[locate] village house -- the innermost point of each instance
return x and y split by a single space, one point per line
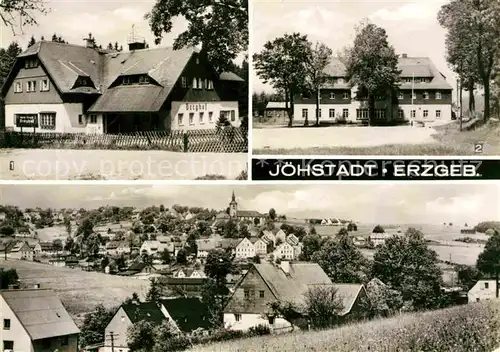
116 248
378 239
186 314
189 273
269 237
36 248
276 110
59 87
245 249
21 250
48 249
185 284
482 290
23 232
289 282
252 216
423 95
35 320
261 246
204 246
284 251
292 240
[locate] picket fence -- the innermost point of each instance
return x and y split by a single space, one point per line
223 140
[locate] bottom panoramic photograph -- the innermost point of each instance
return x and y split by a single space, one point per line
356 267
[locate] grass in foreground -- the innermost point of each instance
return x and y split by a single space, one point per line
473 327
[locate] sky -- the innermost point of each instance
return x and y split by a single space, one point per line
108 21
411 26
399 203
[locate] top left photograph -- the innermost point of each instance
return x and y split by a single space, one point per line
117 90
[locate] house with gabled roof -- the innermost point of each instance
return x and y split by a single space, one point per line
261 245
204 246
124 318
266 283
21 250
186 314
284 251
59 87
245 249
35 320
423 94
292 239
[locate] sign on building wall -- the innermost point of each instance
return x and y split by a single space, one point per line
196 106
27 120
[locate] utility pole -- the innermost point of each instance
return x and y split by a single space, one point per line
112 338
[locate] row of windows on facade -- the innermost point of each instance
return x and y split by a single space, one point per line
47 120
229 115
198 83
404 80
362 114
31 86
401 96
9 345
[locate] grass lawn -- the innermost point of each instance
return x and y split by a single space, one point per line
48 234
80 291
473 327
449 141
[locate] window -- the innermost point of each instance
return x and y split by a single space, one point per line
426 95
6 323
401 96
237 317
345 96
210 84
8 345
486 285
64 341
233 115
345 113
48 120
261 294
414 95
331 113
80 119
201 117
143 79
210 116
379 97
18 88
184 82
126 80
180 119
319 112
413 113
438 113
31 63
426 113
361 114
477 299
31 86
93 118
195 83
438 95
191 118
246 293
206 83
304 113
44 85
401 114
380 113
271 320
200 83
332 95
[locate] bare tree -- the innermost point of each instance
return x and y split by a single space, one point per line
16 14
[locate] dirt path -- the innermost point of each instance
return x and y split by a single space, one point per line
54 164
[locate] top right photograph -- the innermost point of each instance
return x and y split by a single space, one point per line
418 77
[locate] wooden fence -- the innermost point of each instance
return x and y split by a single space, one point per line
221 140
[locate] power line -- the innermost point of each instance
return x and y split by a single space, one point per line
112 336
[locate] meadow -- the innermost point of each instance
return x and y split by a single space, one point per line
472 327
80 291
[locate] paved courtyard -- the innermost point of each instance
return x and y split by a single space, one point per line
64 164
318 137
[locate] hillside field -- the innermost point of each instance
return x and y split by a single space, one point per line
80 291
473 327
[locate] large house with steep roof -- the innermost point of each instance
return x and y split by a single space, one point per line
423 95
58 87
266 283
35 320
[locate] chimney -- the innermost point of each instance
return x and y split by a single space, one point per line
404 56
136 45
285 266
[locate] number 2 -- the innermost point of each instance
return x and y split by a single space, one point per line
478 147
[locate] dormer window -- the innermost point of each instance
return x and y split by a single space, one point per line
82 81
126 80
143 79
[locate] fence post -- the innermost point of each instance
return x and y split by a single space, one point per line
185 141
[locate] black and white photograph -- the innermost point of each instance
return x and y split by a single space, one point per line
120 90
332 267
408 77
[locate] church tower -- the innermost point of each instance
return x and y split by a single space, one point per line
233 207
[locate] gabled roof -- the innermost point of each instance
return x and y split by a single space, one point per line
348 293
113 244
40 312
19 246
249 213
148 311
206 244
188 313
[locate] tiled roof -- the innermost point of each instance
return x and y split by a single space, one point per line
148 311
410 67
249 213
348 293
206 244
189 313
138 98
40 312
230 76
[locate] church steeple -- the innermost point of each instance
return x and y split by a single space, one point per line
233 207
233 198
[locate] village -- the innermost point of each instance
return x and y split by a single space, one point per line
255 263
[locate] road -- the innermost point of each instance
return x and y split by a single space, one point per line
64 164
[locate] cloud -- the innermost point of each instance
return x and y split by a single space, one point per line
419 10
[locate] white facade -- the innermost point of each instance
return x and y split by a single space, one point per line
245 249
260 247
118 325
426 112
66 117
482 290
202 115
284 251
245 321
16 333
